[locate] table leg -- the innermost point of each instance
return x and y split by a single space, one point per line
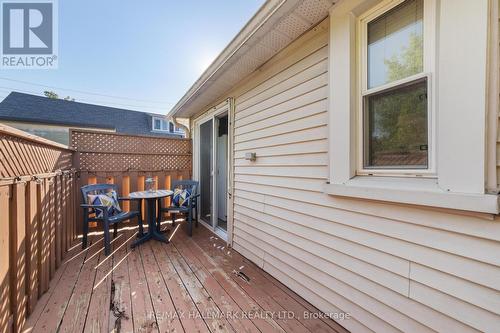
155 234
152 230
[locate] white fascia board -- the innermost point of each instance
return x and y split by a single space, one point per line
265 12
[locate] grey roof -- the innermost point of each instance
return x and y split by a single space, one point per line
37 109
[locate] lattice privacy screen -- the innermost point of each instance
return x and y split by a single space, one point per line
112 152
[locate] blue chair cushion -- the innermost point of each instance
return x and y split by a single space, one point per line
108 199
181 197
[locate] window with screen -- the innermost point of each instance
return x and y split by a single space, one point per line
394 99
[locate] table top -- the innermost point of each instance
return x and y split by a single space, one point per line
150 195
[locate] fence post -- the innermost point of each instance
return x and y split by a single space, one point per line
52 225
5 312
44 234
18 256
58 220
32 245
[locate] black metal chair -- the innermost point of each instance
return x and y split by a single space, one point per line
106 220
191 208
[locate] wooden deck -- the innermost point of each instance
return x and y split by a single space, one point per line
190 285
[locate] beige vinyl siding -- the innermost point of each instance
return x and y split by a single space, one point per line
392 267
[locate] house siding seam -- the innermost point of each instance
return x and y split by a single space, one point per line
392 267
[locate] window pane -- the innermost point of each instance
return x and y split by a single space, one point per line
171 127
164 125
395 44
396 127
157 124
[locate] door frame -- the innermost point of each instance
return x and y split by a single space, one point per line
211 115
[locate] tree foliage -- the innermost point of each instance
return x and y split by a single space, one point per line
409 63
52 95
398 119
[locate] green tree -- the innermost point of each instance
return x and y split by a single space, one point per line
398 119
53 95
50 94
409 63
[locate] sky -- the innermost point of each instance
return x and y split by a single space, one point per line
148 53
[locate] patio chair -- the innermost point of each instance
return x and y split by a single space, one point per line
90 213
190 208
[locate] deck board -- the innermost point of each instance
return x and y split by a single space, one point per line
244 301
120 319
184 304
75 313
142 306
49 310
188 285
259 277
160 296
224 301
231 264
100 300
204 302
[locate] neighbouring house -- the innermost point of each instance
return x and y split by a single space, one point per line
349 148
53 118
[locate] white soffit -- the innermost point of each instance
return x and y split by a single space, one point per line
273 27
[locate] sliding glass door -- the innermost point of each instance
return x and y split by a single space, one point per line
213 167
206 171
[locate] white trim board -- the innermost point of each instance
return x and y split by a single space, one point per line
226 106
424 192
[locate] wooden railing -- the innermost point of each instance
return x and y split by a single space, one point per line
126 160
37 220
40 219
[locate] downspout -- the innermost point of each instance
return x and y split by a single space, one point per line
184 127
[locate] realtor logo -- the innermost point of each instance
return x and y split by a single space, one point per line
29 34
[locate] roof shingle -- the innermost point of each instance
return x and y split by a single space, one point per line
37 109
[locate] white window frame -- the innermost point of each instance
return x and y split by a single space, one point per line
429 31
163 121
226 106
165 126
458 88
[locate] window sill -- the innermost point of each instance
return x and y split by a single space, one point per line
166 132
415 191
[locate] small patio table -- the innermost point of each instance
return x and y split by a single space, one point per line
151 198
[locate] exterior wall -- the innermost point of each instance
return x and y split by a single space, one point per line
391 267
60 134
54 133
